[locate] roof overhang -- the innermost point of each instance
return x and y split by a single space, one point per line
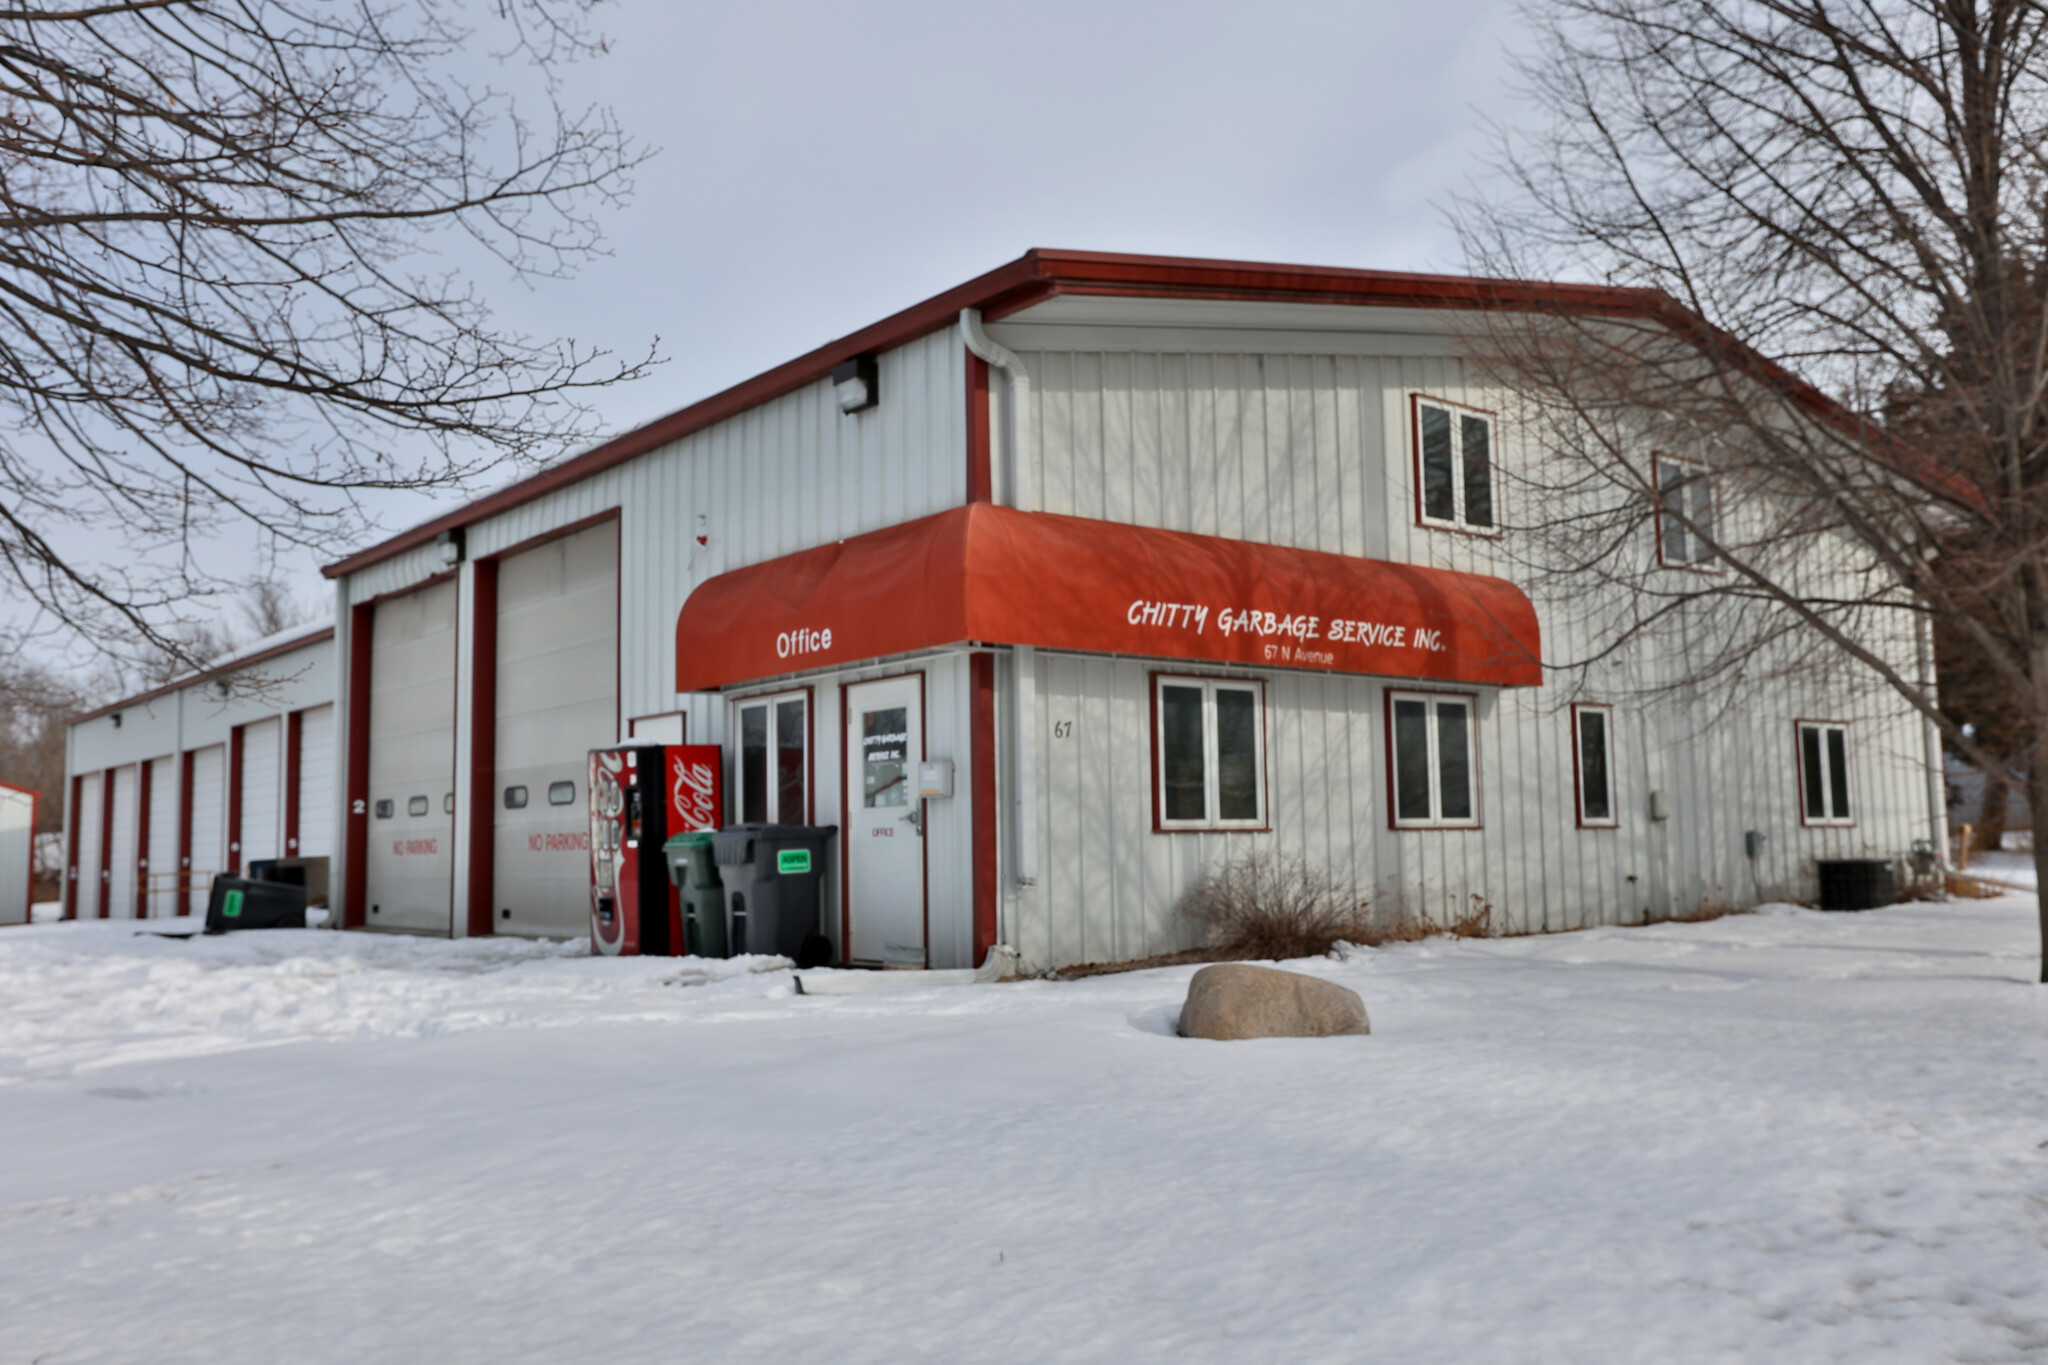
984 574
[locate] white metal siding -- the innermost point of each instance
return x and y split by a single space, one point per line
412 759
121 876
316 783
262 792
557 686
209 821
162 871
17 853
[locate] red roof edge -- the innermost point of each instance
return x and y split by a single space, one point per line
1035 276
230 666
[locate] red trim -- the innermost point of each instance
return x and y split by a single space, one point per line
294 739
1415 401
1799 767
1478 786
1159 825
1578 780
106 895
223 670
980 475
356 809
483 748
981 753
1040 275
235 750
185 761
534 542
845 825
71 856
144 773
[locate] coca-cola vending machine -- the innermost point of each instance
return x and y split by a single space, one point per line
640 795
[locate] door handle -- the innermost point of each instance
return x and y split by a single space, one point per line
915 819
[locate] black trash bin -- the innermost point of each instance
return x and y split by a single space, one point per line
774 888
1856 883
243 903
695 874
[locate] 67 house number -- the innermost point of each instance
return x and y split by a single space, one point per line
1062 729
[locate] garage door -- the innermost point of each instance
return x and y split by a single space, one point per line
557 700
86 872
209 821
121 873
162 873
316 783
262 802
412 761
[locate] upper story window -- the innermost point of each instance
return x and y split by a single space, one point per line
1685 493
1210 741
1824 773
1455 481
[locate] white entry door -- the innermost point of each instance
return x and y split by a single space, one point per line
885 820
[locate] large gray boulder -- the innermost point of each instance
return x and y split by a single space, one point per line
1238 1000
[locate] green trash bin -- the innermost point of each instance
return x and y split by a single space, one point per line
691 869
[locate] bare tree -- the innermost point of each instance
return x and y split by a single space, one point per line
1805 197
220 313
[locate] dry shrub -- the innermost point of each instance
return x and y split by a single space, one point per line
1273 905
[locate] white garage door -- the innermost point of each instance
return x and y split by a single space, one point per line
412 761
121 875
316 783
162 872
17 852
262 794
86 820
209 821
557 700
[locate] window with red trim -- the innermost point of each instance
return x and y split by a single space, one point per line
1593 764
1454 466
1433 746
1210 744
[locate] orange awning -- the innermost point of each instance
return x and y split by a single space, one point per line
993 575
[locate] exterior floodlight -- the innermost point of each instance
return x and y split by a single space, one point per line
449 546
854 384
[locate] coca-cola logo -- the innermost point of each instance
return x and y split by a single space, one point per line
694 792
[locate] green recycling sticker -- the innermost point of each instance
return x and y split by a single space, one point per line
231 905
788 860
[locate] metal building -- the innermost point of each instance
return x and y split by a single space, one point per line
17 852
1154 562
1051 592
169 788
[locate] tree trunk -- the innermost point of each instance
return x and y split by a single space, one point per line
2037 797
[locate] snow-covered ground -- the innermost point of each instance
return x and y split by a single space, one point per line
1779 1137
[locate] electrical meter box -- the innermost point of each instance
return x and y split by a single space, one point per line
935 778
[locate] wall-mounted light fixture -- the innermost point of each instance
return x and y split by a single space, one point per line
854 384
117 720
449 546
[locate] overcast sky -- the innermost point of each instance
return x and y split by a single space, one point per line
822 165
